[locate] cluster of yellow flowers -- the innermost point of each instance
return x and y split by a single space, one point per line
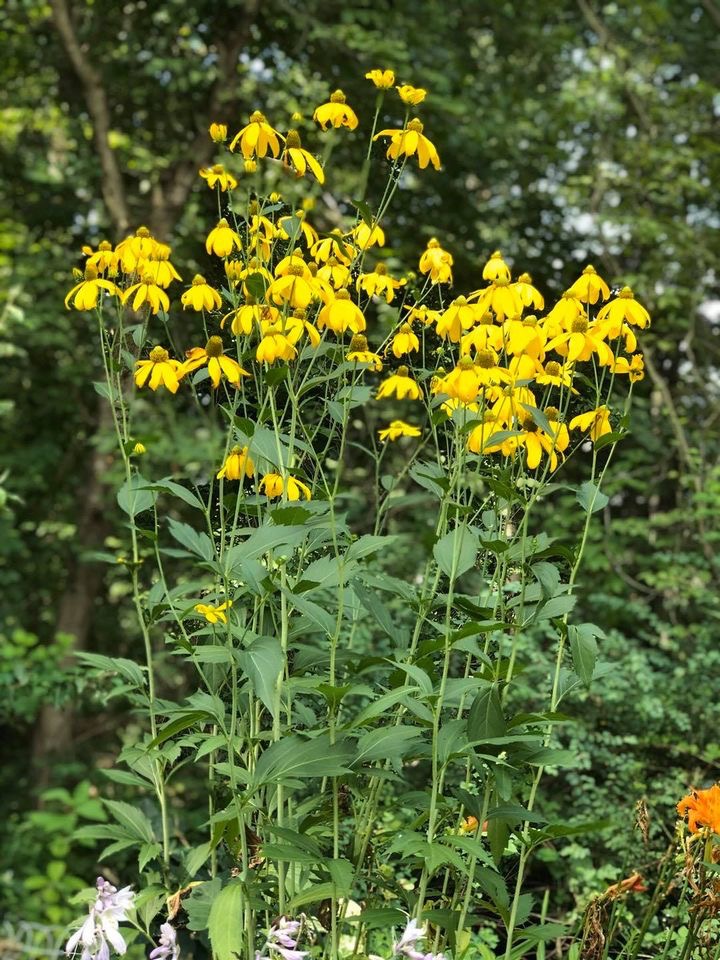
290 287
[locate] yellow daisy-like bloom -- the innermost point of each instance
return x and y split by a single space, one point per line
451 404
463 383
400 385
366 237
529 295
146 291
566 310
293 288
250 315
405 341
469 377
501 297
536 441
590 286
201 296
424 315
509 405
556 374
525 337
139 449
222 240
161 270
411 95
288 226
293 264
159 370
702 809
359 353
218 132
257 138
218 176
294 156
397 429
237 465
459 316
595 422
104 259
275 486
275 345
581 341
294 327
496 268
625 307
383 79
85 295
379 283
410 141
485 335
333 246
214 614
480 437
218 364
634 367
436 262
143 244
341 314
336 274
336 112
238 273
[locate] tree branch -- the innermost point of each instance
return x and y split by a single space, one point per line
96 100
169 197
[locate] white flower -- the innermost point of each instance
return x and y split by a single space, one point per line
100 930
282 942
405 946
168 948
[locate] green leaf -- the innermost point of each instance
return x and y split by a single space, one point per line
198 543
105 390
584 649
126 668
199 903
256 285
225 922
455 553
182 722
131 819
195 858
368 544
376 608
313 611
590 497
430 476
485 719
177 490
540 419
313 894
264 663
148 852
364 210
132 498
287 853
295 758
556 607
384 917
391 743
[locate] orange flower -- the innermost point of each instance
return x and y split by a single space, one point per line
702 808
632 884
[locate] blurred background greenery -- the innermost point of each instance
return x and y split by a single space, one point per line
570 132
